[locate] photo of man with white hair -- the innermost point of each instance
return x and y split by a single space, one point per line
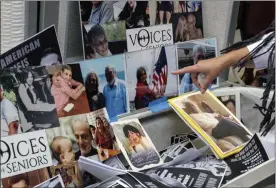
115 93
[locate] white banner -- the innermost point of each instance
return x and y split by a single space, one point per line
24 153
149 37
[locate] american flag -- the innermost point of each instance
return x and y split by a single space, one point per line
160 73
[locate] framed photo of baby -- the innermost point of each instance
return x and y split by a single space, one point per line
213 121
102 134
136 145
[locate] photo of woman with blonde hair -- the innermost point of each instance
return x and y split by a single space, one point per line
181 32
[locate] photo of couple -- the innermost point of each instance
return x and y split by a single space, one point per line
136 145
220 125
105 83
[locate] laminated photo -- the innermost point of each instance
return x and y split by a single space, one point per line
41 49
55 182
28 179
231 99
104 40
136 145
212 121
35 102
69 173
149 76
105 83
68 90
103 135
188 54
71 140
24 153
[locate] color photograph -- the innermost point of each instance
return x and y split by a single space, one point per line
36 105
71 140
136 145
189 53
187 6
102 134
29 179
164 12
55 182
68 90
149 75
213 120
105 83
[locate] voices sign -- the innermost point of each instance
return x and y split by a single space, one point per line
24 153
149 37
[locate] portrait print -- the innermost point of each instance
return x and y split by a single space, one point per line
136 145
213 121
28 179
71 140
105 82
187 26
102 134
68 90
149 77
164 12
189 53
36 105
104 40
187 6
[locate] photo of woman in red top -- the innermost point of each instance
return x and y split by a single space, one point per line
103 138
144 95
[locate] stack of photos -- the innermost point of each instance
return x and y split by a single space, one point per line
136 145
189 53
150 79
105 83
55 182
29 89
212 121
68 90
40 50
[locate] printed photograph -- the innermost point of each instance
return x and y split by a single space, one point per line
149 76
67 87
10 122
214 120
40 50
136 145
69 173
105 82
55 182
187 6
71 140
187 26
189 53
164 12
231 101
36 105
102 134
29 179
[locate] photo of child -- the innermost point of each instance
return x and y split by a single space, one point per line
214 120
136 145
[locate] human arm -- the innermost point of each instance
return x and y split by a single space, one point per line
72 93
12 118
107 13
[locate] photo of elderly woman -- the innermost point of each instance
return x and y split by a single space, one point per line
136 145
35 102
208 113
104 40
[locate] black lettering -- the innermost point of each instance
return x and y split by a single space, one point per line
133 42
3 63
45 158
163 35
169 34
33 146
37 43
39 140
12 144
34 161
14 169
151 37
9 168
40 162
18 148
8 59
154 36
22 165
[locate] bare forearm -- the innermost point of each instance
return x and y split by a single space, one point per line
13 128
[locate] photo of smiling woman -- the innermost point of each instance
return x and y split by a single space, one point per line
136 145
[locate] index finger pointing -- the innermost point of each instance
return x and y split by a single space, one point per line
189 69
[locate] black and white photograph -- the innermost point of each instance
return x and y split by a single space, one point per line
55 182
189 53
231 99
136 145
36 105
40 50
149 76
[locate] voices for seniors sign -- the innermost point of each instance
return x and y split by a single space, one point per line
24 153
